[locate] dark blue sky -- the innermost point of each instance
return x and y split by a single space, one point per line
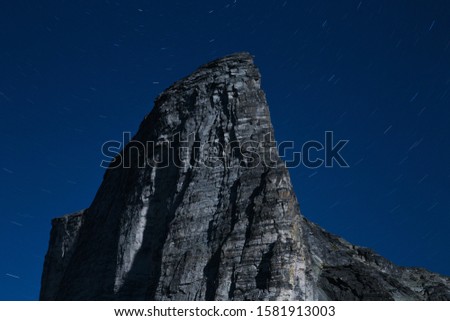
74 74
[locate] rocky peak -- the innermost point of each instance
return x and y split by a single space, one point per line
199 206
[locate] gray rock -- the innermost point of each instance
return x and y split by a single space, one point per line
218 223
63 237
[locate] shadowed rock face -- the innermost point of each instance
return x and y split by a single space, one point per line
185 225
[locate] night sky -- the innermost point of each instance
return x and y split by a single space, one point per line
74 74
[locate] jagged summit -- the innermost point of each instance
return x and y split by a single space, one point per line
213 216
242 57
225 70
238 58
238 61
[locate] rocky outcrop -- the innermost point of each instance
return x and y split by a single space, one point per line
63 239
199 206
343 271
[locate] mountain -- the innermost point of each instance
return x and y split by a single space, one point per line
199 206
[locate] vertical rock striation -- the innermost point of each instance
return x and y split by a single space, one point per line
63 239
199 206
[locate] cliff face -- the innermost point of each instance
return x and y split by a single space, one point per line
63 238
199 206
